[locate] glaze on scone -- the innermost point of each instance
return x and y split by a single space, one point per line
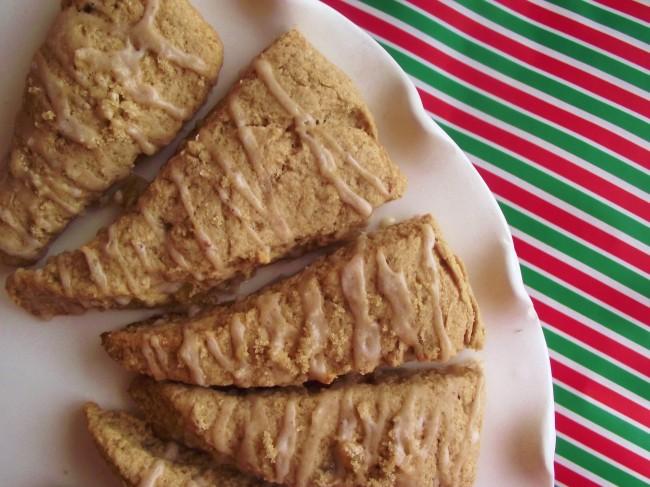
289 159
395 295
112 81
141 459
402 430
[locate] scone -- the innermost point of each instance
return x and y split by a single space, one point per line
395 295
404 430
112 81
289 159
141 459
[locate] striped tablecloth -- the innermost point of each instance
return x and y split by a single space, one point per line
550 102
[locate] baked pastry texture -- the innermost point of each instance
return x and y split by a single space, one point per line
289 159
391 296
141 459
113 80
405 430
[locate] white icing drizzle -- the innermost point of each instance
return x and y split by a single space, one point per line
125 66
28 245
151 476
249 142
113 250
218 430
316 325
146 146
147 37
314 436
96 270
374 431
59 98
345 435
274 322
189 354
366 345
64 277
255 427
236 364
208 246
304 125
394 288
472 432
142 253
234 209
347 157
428 243
286 442
151 359
214 348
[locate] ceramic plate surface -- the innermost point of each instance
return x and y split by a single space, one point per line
48 369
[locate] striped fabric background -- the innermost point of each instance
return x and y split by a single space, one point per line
550 100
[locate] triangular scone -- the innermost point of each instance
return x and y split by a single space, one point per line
113 80
402 430
140 458
289 159
395 295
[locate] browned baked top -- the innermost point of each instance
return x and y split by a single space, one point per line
404 430
395 295
289 159
137 456
113 80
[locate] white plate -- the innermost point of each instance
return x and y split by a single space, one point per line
48 369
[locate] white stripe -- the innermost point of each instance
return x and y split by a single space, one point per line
618 12
561 205
576 264
602 457
611 435
602 74
578 469
529 136
553 54
588 322
610 229
583 294
594 25
570 363
523 86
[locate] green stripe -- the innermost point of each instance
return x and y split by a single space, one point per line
609 319
568 246
526 123
614 21
514 69
559 43
597 364
594 464
547 182
588 410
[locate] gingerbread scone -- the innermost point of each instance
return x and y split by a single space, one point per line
288 160
112 81
395 295
405 430
140 458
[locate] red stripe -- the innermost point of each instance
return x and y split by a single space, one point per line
566 220
589 336
633 8
606 447
545 158
584 127
580 31
600 393
388 31
582 281
571 478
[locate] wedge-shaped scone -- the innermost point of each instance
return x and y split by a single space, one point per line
112 81
402 430
386 298
140 458
289 159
